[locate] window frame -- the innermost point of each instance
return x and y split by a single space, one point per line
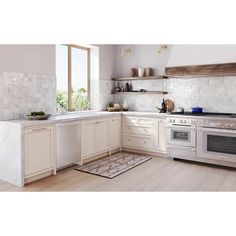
70 91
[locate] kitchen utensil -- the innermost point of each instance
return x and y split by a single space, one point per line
141 72
197 109
43 117
169 105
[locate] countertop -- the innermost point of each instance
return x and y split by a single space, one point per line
76 116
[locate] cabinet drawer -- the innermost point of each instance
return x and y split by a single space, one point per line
130 120
138 121
140 130
138 142
145 121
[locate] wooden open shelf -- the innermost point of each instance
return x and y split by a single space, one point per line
225 69
140 78
147 92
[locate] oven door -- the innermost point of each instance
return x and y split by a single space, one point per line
181 136
217 144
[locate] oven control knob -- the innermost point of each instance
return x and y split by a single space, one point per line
181 121
184 121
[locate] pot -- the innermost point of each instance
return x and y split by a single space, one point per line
197 109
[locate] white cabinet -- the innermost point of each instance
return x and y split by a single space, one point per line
115 132
161 135
138 133
39 150
94 137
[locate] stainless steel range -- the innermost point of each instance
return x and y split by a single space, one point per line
204 137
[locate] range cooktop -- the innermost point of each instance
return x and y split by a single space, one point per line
215 114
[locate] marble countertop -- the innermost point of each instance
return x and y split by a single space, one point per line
81 116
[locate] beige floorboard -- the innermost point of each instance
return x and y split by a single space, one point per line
158 174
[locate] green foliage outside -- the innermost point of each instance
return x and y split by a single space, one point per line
79 100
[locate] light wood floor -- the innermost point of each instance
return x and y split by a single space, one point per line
158 174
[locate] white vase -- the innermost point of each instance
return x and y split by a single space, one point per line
125 106
141 72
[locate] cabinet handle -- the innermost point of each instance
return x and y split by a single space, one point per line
129 127
145 141
37 130
129 139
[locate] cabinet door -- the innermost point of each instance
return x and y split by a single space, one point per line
87 139
115 133
101 136
39 150
161 135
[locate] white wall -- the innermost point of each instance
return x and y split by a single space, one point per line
39 59
106 61
212 93
106 72
182 55
141 56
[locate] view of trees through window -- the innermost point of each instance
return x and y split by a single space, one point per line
72 70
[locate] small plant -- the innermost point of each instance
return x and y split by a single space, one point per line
62 100
110 104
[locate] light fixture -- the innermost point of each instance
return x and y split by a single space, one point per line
125 52
162 47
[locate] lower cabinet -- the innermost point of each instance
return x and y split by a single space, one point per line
94 137
161 135
115 132
138 133
144 134
39 150
138 142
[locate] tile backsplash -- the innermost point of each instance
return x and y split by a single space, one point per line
215 94
22 93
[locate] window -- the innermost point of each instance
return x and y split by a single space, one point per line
72 70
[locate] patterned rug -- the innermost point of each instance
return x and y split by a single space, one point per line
111 166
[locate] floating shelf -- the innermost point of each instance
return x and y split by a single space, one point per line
140 78
147 92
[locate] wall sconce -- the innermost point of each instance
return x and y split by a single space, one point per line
125 52
162 47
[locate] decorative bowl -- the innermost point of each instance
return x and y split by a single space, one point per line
44 117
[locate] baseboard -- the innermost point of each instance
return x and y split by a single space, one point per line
39 176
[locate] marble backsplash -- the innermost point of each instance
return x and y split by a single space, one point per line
25 92
215 94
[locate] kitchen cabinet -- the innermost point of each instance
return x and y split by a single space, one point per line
115 133
39 150
138 133
161 135
94 137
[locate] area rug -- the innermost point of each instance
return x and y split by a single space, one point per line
114 165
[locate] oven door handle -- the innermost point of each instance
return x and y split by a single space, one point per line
181 127
230 131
